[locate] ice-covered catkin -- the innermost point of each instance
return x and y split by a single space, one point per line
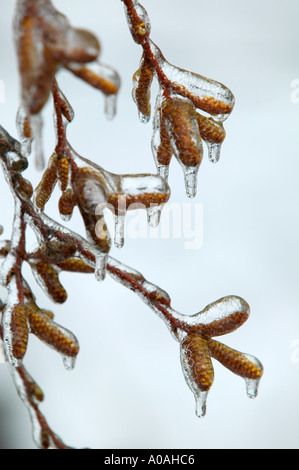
47 276
210 130
99 76
164 150
62 167
142 81
235 361
75 265
184 131
16 332
197 362
47 184
41 325
66 204
138 21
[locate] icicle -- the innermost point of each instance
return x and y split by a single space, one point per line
110 106
154 215
214 152
190 174
119 227
252 385
201 404
163 171
69 362
100 266
36 127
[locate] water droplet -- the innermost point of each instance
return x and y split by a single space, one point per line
119 227
201 404
214 152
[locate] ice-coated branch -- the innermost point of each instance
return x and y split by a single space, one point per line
178 125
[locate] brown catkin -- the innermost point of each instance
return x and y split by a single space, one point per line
66 203
210 130
164 152
51 281
20 331
75 265
234 360
48 331
184 130
47 184
92 78
142 80
197 357
62 168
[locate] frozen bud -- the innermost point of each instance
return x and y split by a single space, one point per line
66 204
10 151
56 250
138 22
24 187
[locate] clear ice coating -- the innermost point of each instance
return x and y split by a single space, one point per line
190 174
68 362
214 151
100 266
119 230
209 95
154 215
102 77
140 24
201 404
252 385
